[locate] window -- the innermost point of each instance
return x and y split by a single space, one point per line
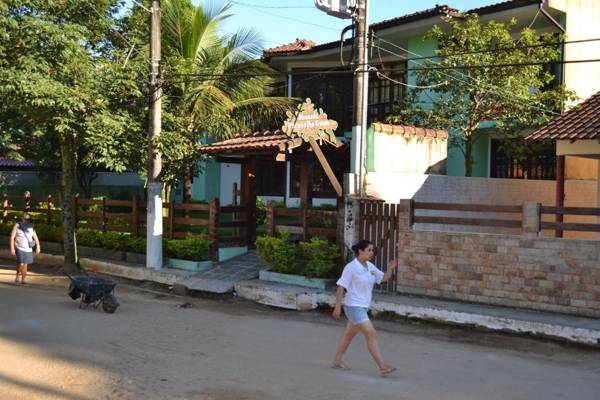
270 178
383 93
320 187
537 162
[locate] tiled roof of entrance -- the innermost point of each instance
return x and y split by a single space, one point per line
579 123
407 130
266 141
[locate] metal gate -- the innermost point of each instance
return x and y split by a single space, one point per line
378 223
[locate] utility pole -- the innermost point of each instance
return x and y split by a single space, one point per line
154 221
361 92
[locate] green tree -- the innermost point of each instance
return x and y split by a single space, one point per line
60 83
215 86
515 98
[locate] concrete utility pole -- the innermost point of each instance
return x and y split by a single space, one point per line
154 221
361 92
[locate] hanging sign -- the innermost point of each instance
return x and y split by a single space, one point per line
310 123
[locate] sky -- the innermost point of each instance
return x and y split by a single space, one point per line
282 21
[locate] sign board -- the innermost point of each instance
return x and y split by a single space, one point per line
337 8
310 123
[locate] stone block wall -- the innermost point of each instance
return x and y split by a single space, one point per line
561 275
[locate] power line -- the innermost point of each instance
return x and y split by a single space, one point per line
263 6
495 50
259 9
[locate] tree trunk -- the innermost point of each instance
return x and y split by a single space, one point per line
67 153
469 156
187 182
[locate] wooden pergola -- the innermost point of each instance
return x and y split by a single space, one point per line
248 149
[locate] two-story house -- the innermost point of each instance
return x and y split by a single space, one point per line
403 37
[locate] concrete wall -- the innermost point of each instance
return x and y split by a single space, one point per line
550 274
413 154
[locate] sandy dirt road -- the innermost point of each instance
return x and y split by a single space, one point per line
152 348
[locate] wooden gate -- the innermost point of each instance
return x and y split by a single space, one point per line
378 223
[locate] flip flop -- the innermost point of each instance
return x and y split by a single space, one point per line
340 366
387 371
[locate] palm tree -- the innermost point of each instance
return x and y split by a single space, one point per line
218 86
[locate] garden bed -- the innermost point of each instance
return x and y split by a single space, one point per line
298 280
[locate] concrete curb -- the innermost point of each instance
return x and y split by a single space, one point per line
515 321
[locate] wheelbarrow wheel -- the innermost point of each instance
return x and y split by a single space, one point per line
110 304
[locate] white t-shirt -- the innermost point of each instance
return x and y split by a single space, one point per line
23 237
358 282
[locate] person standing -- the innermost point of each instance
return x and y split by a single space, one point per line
23 242
358 279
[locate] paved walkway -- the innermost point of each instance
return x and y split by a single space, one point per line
223 277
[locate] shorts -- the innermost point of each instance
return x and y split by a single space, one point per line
24 257
356 315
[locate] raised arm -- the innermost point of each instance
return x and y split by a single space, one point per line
391 267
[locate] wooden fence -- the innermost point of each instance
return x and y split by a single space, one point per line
378 223
303 222
570 226
509 222
225 226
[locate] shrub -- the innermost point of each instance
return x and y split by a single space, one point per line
278 253
193 247
320 258
316 258
261 211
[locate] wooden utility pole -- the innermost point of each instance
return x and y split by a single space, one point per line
361 91
154 221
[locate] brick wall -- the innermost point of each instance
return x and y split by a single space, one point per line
561 275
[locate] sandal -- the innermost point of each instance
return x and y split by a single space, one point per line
387 370
340 366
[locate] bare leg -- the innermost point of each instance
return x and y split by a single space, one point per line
345 340
18 272
23 272
368 330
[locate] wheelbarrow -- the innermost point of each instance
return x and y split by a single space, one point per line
93 291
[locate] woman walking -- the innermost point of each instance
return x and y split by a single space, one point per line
358 278
23 242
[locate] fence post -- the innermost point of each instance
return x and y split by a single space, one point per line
213 228
49 210
74 210
171 217
103 213
405 215
304 216
27 201
4 208
530 221
135 215
270 219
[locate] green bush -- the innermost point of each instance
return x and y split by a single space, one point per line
278 253
261 211
316 258
320 258
193 247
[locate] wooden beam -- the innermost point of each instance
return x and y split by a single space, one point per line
304 182
327 168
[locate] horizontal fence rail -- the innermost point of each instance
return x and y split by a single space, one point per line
469 208
570 226
304 222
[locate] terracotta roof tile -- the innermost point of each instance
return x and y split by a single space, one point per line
579 123
256 141
407 130
298 45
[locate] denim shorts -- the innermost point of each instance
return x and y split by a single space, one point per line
356 315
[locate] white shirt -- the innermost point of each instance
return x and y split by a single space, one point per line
22 238
358 282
